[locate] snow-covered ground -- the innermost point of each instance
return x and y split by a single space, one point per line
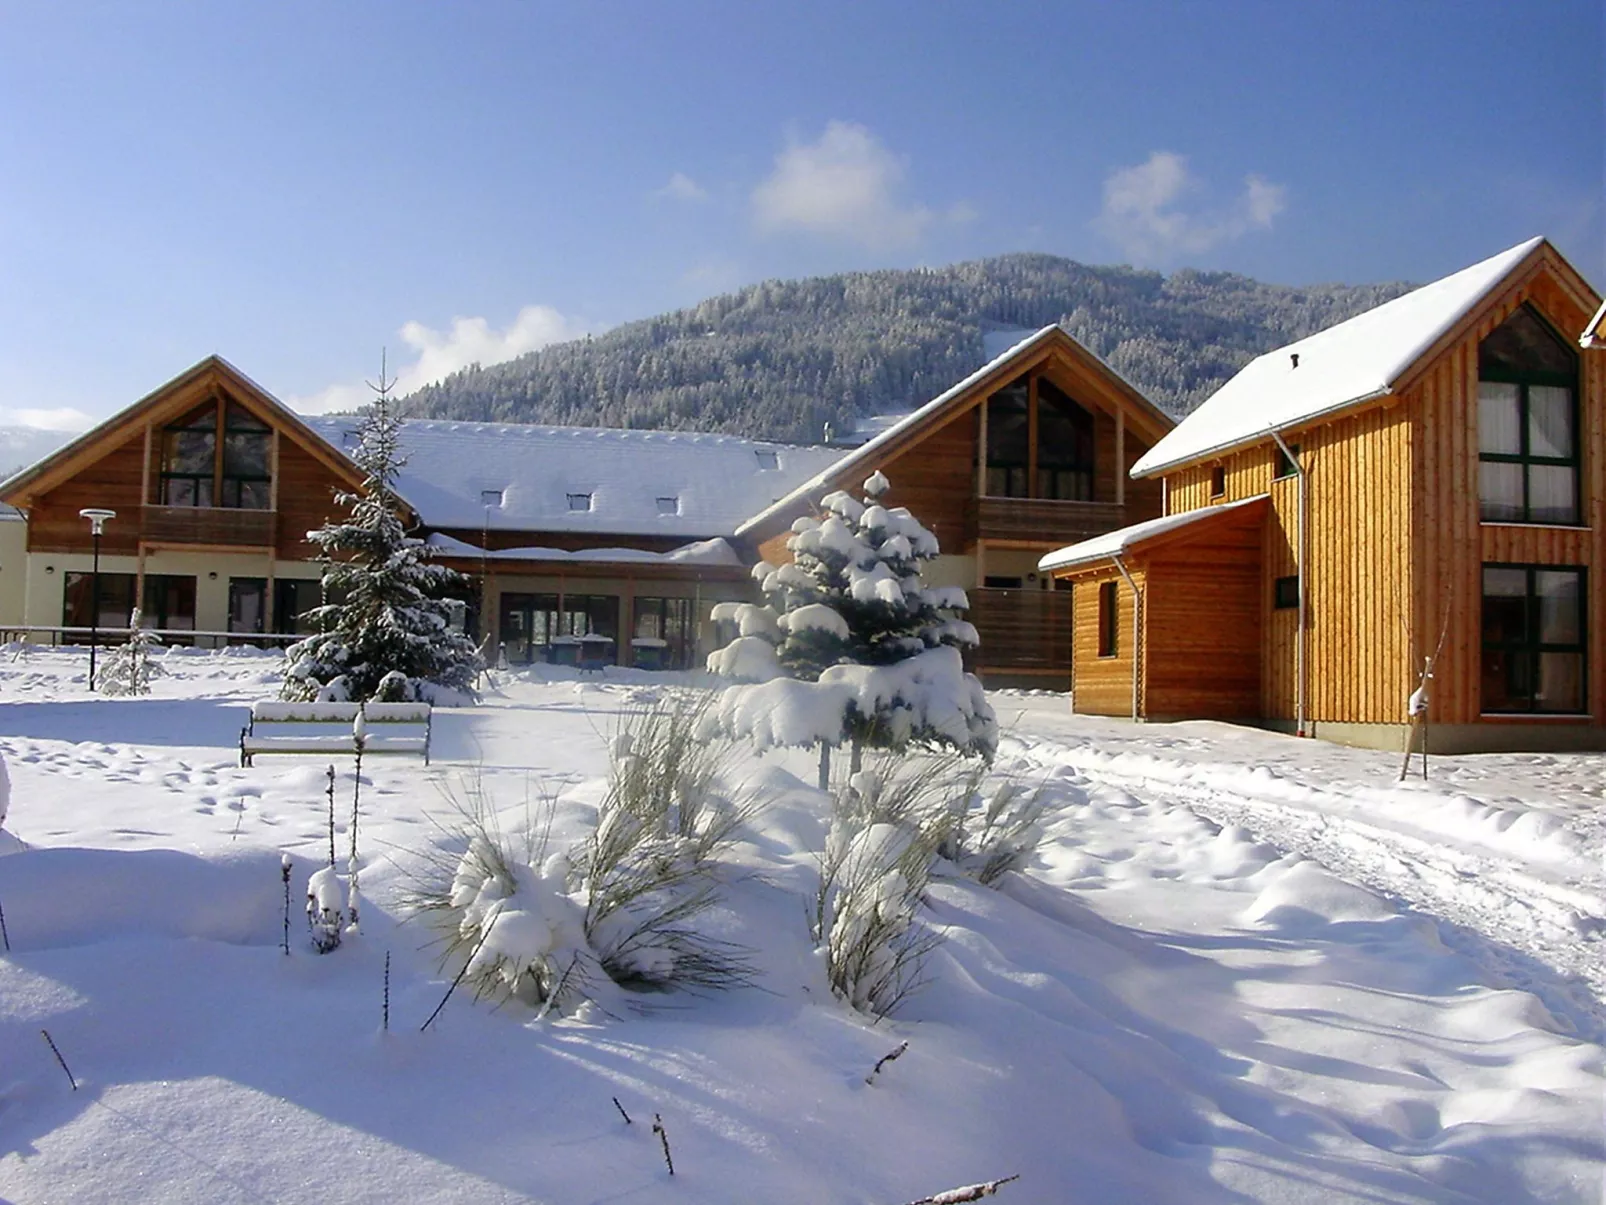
1241 968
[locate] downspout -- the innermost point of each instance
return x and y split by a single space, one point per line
1301 650
1137 621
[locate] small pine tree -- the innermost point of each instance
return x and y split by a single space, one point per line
128 669
853 596
387 633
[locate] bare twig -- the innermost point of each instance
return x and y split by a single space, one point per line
284 871
466 964
622 1112
884 1060
4 936
59 1059
331 793
971 1192
356 796
385 1022
663 1137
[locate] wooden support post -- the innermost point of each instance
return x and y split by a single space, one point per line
1031 436
1120 457
145 473
981 450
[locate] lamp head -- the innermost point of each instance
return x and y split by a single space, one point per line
98 518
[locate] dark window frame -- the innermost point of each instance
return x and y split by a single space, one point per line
223 485
1218 481
1285 593
1531 646
1283 465
1109 617
1525 380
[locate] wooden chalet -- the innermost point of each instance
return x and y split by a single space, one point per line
1028 453
1426 480
604 545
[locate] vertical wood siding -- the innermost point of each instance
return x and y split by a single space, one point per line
1101 685
113 481
1450 544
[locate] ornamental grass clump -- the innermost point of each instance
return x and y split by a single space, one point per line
553 925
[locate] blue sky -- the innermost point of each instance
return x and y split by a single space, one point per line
296 185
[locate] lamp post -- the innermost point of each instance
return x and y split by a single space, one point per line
98 518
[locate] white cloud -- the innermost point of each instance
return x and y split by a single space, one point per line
64 419
438 354
1145 215
845 186
681 187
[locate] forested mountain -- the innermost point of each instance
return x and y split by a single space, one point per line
781 359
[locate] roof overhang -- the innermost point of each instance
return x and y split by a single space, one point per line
166 402
1142 539
1032 352
1595 333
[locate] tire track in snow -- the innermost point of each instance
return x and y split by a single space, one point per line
1529 932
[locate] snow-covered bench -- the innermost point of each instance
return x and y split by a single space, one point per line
327 728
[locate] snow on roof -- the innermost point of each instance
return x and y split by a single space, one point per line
702 552
1122 540
1351 362
1595 333
865 452
517 477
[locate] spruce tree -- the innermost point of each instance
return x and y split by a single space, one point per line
384 631
852 614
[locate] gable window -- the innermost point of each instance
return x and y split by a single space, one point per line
199 470
1008 443
1064 446
1283 465
1109 620
1533 639
1218 482
1285 593
1527 424
579 501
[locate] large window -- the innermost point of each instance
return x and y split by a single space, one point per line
169 603
1533 639
1008 445
1064 446
293 598
1527 424
534 629
78 609
669 621
197 472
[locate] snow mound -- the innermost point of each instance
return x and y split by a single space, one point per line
1301 895
80 897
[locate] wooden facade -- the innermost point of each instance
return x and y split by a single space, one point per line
937 464
1394 551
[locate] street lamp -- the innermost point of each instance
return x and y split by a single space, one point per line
98 518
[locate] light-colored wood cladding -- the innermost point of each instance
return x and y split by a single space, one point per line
1102 685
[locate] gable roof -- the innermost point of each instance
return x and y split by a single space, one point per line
669 483
1595 333
1139 536
169 401
997 372
1366 357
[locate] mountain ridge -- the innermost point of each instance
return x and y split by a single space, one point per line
782 358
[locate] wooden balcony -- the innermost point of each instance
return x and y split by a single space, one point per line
1023 631
216 525
1042 521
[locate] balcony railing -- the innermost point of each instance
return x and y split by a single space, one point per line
1023 630
225 525
1042 520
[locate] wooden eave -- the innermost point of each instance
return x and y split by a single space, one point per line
1595 333
169 401
1051 348
1541 258
1247 513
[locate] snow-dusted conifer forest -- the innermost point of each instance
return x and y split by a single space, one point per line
1168 963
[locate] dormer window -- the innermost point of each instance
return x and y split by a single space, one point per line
767 459
669 504
579 502
199 470
491 498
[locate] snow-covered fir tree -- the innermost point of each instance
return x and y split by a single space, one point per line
128 668
875 651
385 632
